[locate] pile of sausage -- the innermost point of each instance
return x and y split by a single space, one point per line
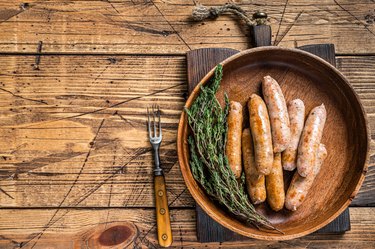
278 138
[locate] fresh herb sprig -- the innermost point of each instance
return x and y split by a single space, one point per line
208 162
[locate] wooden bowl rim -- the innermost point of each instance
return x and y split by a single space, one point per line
185 167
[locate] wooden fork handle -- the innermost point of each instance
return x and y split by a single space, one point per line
162 213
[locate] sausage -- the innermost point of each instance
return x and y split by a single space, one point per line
278 113
261 132
310 140
255 182
296 111
300 186
275 185
233 146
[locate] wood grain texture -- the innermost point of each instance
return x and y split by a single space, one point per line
70 131
196 70
108 235
200 62
261 35
76 226
87 143
209 230
158 26
162 213
41 160
346 134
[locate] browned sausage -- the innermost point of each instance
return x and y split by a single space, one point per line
300 186
275 185
277 110
255 184
310 140
296 110
233 147
261 133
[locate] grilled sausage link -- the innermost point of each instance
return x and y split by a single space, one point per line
278 113
275 185
310 140
254 181
300 186
296 111
261 133
233 146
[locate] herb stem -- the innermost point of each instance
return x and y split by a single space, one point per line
208 162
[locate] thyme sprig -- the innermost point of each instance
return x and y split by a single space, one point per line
208 162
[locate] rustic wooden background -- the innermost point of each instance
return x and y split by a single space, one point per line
75 80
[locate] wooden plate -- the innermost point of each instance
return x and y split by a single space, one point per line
346 136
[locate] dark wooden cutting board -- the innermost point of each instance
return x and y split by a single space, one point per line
199 63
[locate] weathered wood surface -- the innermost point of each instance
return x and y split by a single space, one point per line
159 26
199 62
83 228
76 127
73 132
73 127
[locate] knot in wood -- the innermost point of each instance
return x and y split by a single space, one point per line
115 235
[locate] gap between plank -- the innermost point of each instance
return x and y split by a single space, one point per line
97 208
132 54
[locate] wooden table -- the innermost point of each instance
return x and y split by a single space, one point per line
75 159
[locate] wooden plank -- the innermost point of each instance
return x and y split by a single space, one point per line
339 226
159 26
88 134
199 62
43 147
350 67
74 228
209 230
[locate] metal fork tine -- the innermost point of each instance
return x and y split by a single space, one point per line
159 121
148 123
162 212
153 113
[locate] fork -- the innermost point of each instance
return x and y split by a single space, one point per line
162 211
